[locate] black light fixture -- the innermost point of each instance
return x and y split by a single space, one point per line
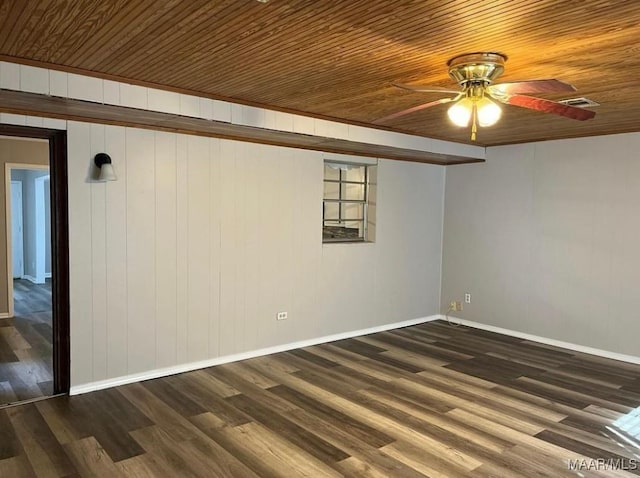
103 162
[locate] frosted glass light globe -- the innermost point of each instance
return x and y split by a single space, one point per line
488 112
460 112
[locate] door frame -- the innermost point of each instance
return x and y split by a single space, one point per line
59 247
11 247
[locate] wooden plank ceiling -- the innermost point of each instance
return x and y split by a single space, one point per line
338 58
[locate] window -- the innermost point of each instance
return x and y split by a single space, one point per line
347 213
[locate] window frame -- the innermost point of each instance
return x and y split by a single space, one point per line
340 201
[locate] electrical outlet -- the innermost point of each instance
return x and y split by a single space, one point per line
455 306
467 298
281 316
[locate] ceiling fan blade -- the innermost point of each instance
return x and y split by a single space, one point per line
425 88
413 109
548 106
550 85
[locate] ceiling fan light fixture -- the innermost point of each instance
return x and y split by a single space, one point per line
460 112
488 112
474 103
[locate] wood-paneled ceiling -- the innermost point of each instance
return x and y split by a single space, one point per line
338 58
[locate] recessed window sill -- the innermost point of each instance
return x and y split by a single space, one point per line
325 243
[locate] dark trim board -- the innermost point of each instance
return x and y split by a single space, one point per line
20 102
201 94
59 246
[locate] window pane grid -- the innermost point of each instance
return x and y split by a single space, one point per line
345 216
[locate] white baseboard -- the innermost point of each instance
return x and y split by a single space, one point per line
4 315
47 275
163 372
544 340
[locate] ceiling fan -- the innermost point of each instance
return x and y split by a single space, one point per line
475 73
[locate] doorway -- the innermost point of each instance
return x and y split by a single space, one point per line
29 231
34 329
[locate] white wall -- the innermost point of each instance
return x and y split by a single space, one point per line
545 236
190 254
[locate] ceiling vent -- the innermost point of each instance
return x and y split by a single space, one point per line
580 102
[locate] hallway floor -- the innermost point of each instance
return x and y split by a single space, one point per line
26 344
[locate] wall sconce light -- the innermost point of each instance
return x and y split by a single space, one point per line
103 162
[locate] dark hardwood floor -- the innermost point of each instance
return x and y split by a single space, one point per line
429 400
26 344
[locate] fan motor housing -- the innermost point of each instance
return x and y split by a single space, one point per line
477 67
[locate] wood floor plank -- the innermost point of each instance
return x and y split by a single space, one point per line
427 400
424 460
61 419
26 351
490 397
13 340
7 352
194 457
441 424
174 398
422 349
44 452
10 445
141 466
213 460
392 426
313 358
7 392
162 448
250 389
367 434
209 381
248 374
528 425
16 467
356 468
270 453
568 395
530 452
333 354
91 459
333 432
267 362
200 394
158 411
294 433
108 428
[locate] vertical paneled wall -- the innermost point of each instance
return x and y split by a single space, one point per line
190 254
